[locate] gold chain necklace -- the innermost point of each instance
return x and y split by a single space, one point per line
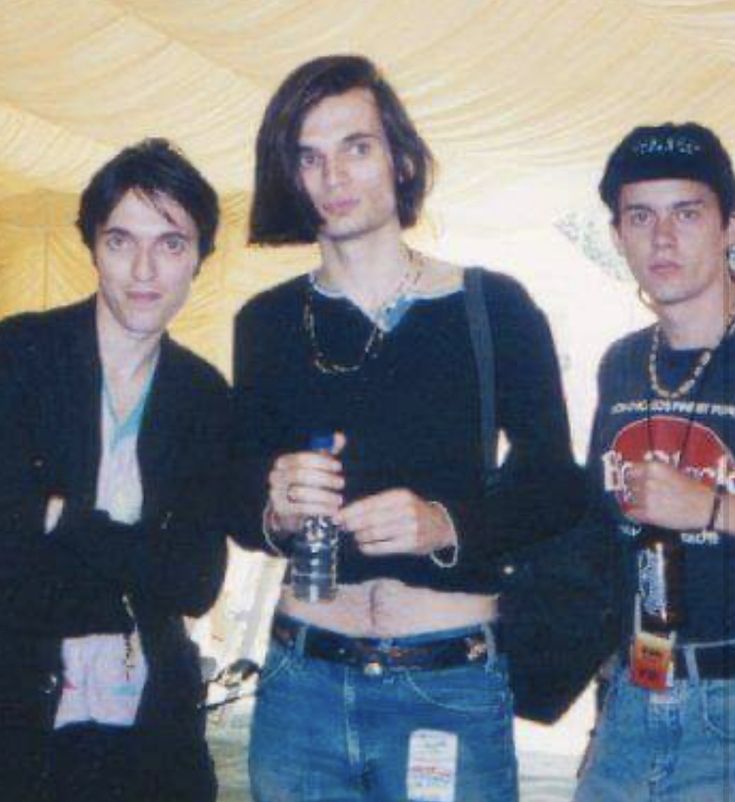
702 361
375 339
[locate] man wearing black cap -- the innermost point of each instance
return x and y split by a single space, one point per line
662 452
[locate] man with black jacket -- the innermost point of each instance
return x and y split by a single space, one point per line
111 450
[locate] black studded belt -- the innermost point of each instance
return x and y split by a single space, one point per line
375 655
705 662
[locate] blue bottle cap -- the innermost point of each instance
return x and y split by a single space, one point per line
321 441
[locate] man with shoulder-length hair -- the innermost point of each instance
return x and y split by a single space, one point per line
385 679
113 448
662 452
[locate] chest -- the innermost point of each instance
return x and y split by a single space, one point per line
694 434
66 433
417 393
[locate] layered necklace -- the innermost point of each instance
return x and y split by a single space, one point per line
699 366
695 380
375 338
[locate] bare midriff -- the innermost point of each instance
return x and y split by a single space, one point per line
387 608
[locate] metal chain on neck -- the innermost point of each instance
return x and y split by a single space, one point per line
370 350
702 361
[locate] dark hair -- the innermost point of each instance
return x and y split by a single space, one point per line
153 167
688 150
282 212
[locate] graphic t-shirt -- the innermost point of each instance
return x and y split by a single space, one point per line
695 434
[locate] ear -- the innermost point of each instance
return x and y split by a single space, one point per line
404 171
731 232
616 238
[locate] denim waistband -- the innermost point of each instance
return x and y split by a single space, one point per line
701 661
430 650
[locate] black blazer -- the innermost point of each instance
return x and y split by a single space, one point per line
71 581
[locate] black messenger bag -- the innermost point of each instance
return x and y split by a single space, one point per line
556 620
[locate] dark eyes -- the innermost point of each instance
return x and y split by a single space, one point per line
360 148
116 241
309 158
645 217
174 244
355 149
639 217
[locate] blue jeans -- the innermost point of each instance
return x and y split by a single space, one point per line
667 746
327 732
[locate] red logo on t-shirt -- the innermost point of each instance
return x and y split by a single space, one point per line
687 445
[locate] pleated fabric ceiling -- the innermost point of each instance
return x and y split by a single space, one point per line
521 102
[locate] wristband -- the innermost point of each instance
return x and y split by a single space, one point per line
716 506
446 556
268 533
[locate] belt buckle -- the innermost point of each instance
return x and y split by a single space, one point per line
373 668
477 649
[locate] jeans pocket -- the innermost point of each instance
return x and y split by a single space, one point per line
470 690
610 697
277 660
718 708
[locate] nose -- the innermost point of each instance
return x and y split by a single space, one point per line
664 230
333 170
144 265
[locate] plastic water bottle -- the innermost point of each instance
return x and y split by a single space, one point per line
314 557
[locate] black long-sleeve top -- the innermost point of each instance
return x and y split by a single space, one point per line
411 416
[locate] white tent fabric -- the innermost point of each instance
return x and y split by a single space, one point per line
520 101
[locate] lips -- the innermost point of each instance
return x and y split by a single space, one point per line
143 297
664 268
339 208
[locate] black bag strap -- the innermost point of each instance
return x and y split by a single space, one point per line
482 347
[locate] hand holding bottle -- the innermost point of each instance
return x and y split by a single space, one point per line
305 483
313 567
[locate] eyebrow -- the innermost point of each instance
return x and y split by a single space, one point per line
685 204
688 203
361 135
172 232
304 147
